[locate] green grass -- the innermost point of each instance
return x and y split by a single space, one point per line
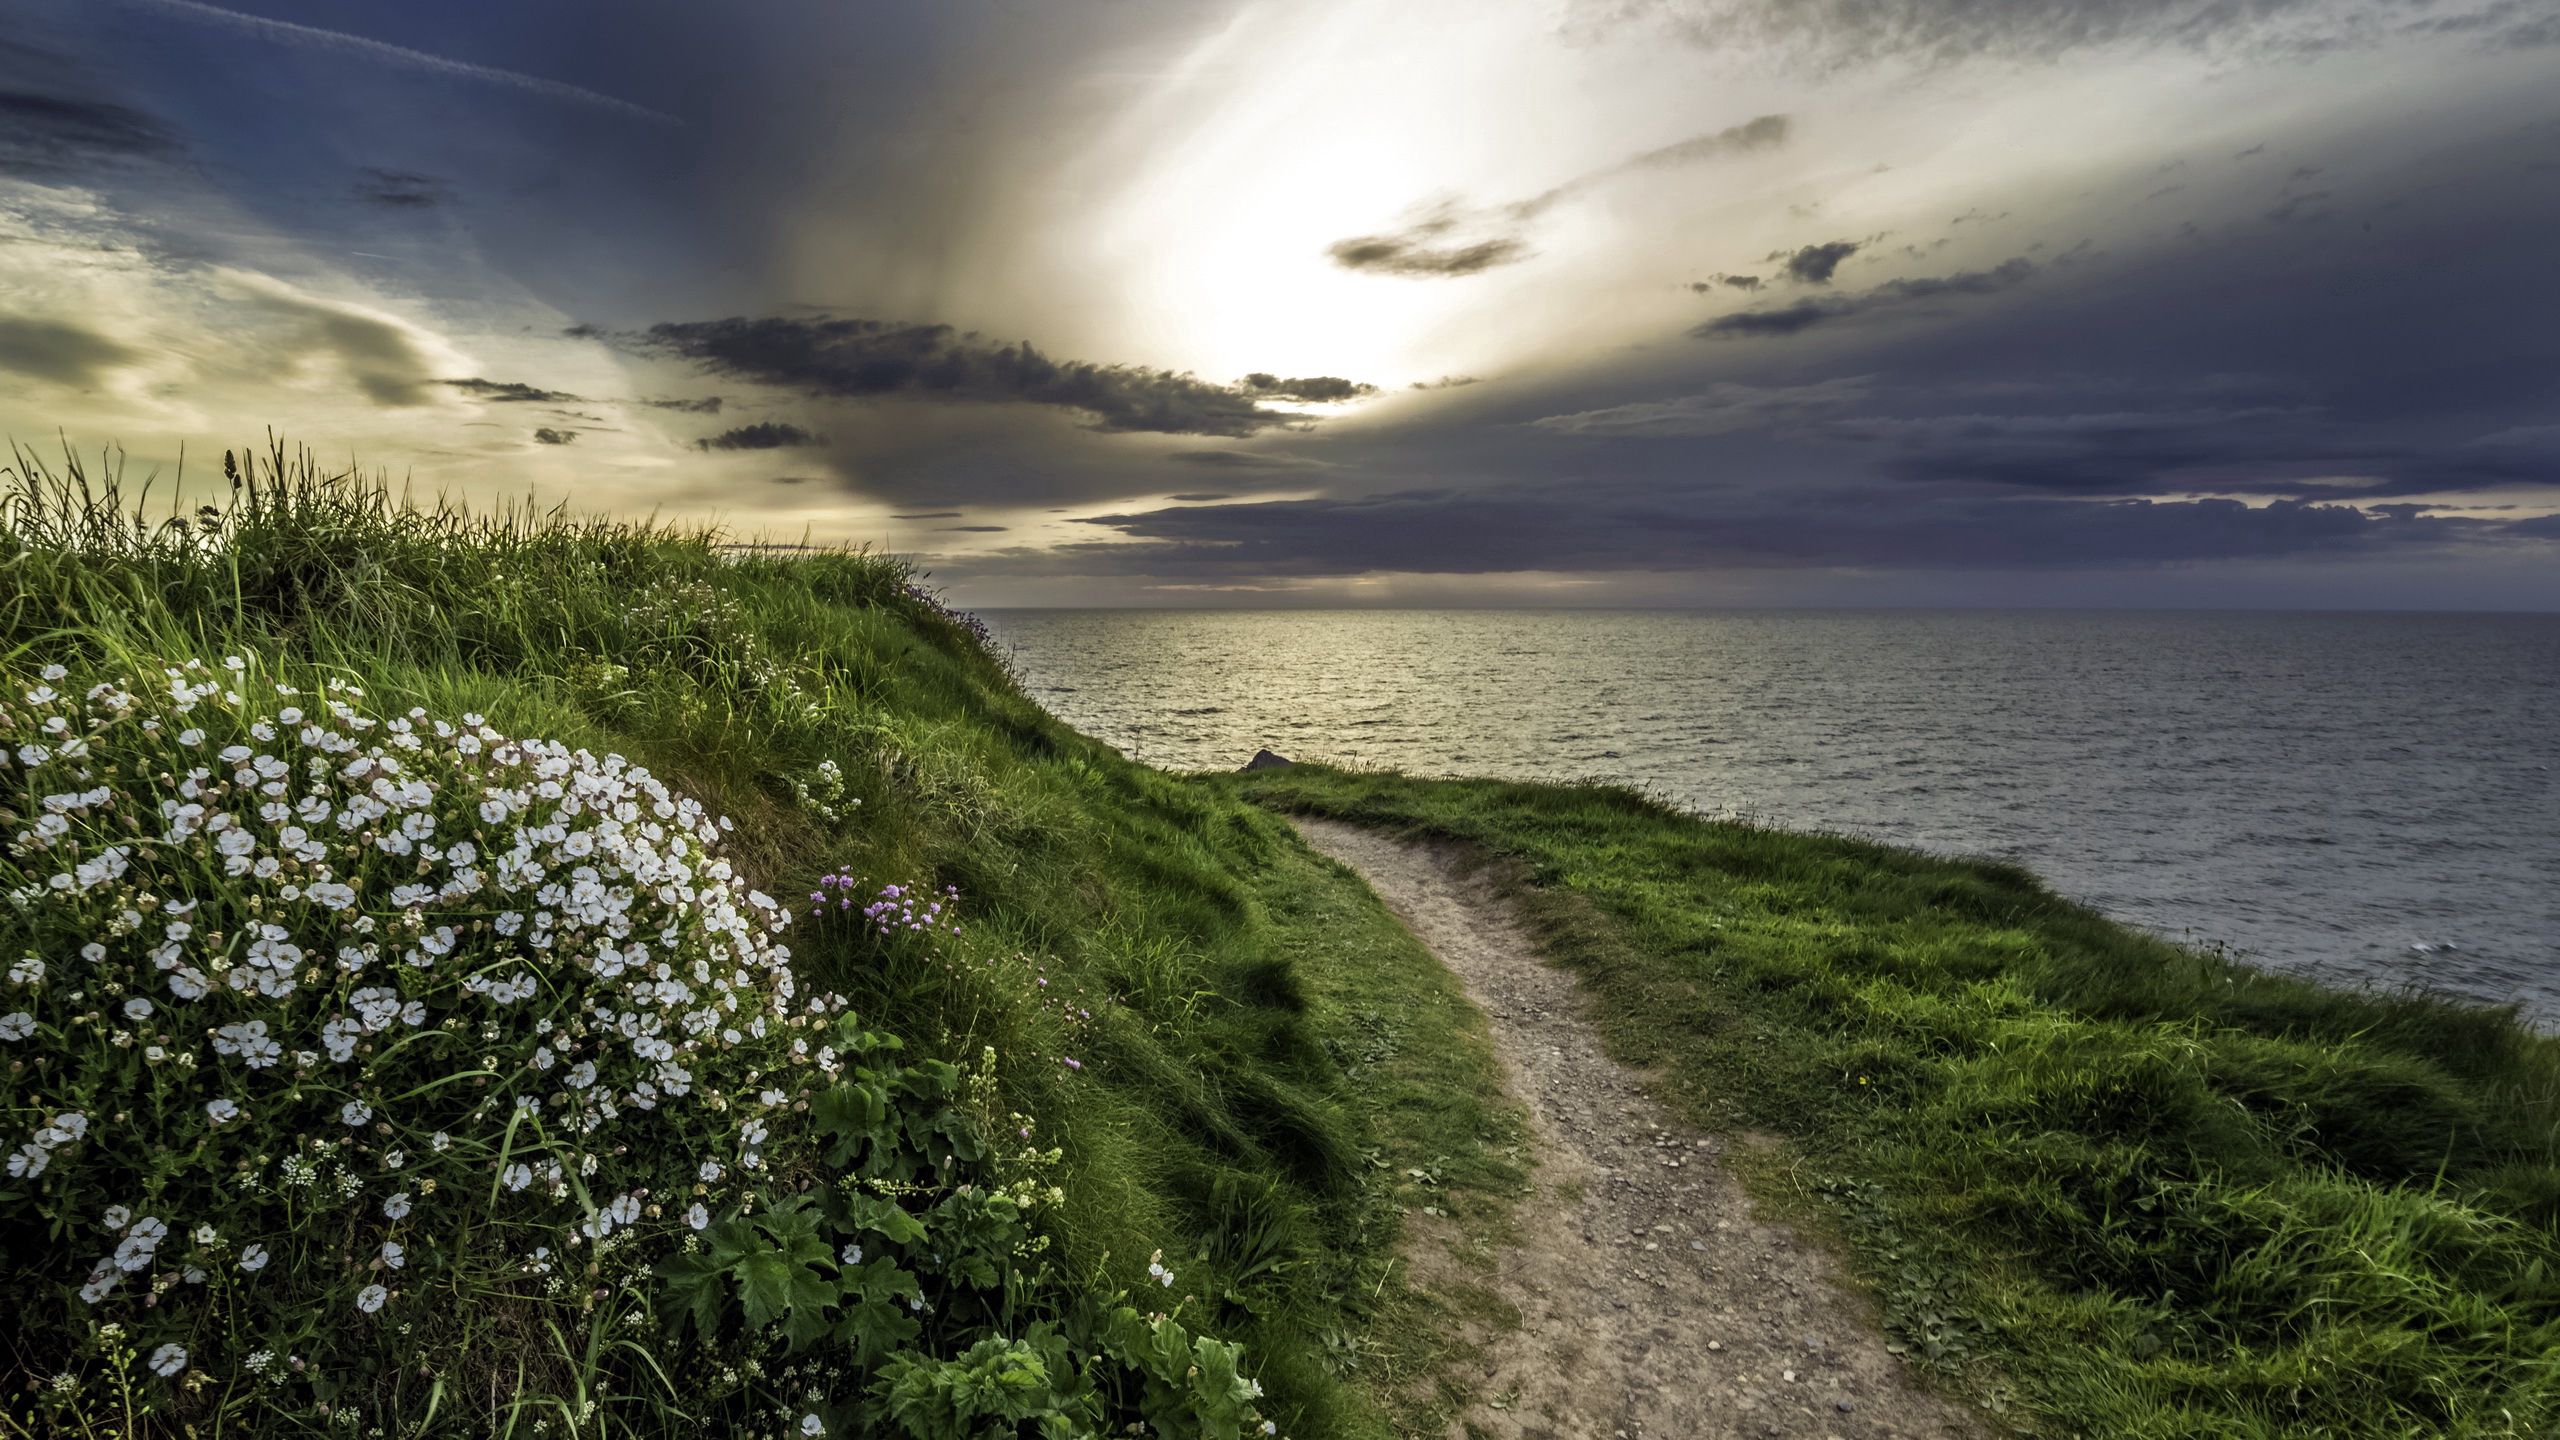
2109 1186
1266 1056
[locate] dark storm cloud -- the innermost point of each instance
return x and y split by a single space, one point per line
1730 282
1802 315
1816 264
763 435
54 136
402 189
1781 320
972 529
1759 133
554 437
1449 239
928 515
1201 497
1620 529
1445 382
1247 460
706 405
377 356
2301 209
63 354
1823 33
509 391
864 359
1722 408
1318 389
1420 249
2254 450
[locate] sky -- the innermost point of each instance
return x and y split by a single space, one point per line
1343 302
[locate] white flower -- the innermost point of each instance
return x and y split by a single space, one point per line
168 1360
17 1025
710 1172
439 1142
370 1298
354 1113
397 1207
253 1258
517 1176
851 1255
28 971
246 1039
118 1217
394 1159
137 1008
28 1161
222 1111
811 1425
393 1255
207 1235
134 1252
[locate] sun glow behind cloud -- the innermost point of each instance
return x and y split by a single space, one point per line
1284 132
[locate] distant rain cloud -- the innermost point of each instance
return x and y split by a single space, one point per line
1815 264
53 136
1802 315
1319 389
62 354
1449 240
401 189
763 435
509 391
851 359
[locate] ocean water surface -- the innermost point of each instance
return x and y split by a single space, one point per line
2372 798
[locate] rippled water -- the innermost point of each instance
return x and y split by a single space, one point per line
2367 796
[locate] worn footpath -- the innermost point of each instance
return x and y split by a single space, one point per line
1652 1302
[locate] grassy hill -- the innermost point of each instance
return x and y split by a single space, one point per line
511 975
2108 1185
1099 1117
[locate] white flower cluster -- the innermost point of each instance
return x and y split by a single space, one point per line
390 949
29 1160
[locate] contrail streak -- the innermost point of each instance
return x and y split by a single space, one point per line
292 34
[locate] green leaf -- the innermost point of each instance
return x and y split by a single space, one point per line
883 1217
694 1281
851 1116
777 1264
874 1319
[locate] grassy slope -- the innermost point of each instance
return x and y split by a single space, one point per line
2111 1186
1257 1075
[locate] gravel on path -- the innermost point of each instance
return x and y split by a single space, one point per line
1652 1302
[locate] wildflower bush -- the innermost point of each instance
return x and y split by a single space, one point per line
344 1048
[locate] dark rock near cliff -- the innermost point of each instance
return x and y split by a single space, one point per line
1265 760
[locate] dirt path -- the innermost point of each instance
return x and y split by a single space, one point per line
1651 1302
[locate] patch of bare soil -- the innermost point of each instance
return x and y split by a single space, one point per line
1652 1303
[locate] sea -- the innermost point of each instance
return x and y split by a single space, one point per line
2366 798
